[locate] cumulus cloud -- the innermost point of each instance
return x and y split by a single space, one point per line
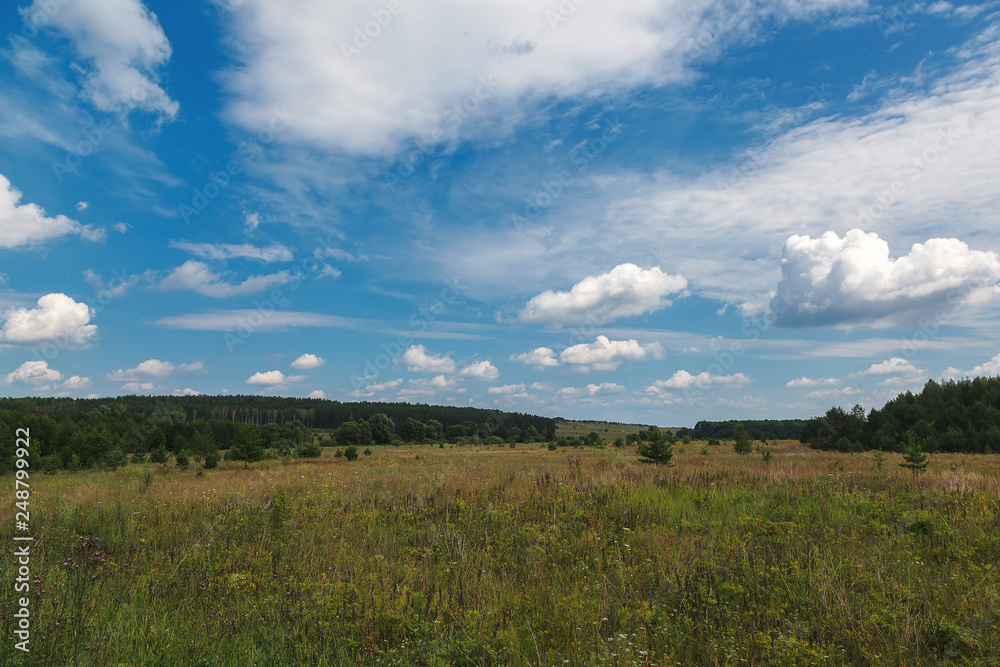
606 355
308 361
186 391
198 277
27 225
223 251
833 393
120 45
138 387
540 357
802 382
480 370
317 393
417 360
35 374
508 390
57 318
625 290
989 368
703 381
376 387
852 281
154 368
894 366
273 379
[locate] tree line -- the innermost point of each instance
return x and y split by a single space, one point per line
81 433
758 429
952 416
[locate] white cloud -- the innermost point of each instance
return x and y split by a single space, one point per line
273 379
76 382
251 221
481 370
308 361
119 284
894 366
257 320
833 393
418 361
366 94
990 368
138 387
591 390
27 224
424 388
35 374
625 290
606 355
223 251
376 387
540 357
329 272
317 393
810 382
186 391
853 281
81 206
198 277
701 382
57 318
510 391
120 227
120 45
154 368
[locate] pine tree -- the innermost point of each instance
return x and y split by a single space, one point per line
742 444
914 457
659 452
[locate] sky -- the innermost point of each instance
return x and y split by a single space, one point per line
648 211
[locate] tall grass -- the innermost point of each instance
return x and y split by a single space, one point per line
498 556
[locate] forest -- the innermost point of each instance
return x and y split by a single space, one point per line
953 416
758 429
82 433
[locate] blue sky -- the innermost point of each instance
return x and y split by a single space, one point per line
649 211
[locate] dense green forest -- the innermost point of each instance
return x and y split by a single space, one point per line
956 416
77 433
769 429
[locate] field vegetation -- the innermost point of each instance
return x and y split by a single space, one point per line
499 555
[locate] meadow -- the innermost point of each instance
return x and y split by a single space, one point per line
476 555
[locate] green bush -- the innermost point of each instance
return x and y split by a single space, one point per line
351 453
114 459
159 455
308 450
182 459
211 460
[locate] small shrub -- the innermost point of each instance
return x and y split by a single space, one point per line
309 450
351 453
139 458
115 459
182 459
159 455
704 451
146 480
368 451
766 455
211 460
552 447
338 453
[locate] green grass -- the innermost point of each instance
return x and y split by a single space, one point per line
498 556
607 430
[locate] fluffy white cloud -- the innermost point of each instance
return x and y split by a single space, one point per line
990 368
307 361
376 387
701 382
76 382
198 277
36 375
57 318
317 393
186 391
508 390
120 45
481 370
154 368
894 366
138 387
418 361
273 379
27 224
853 281
625 290
223 251
540 357
606 355
833 393
431 68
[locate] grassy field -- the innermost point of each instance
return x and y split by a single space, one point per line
498 556
607 430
